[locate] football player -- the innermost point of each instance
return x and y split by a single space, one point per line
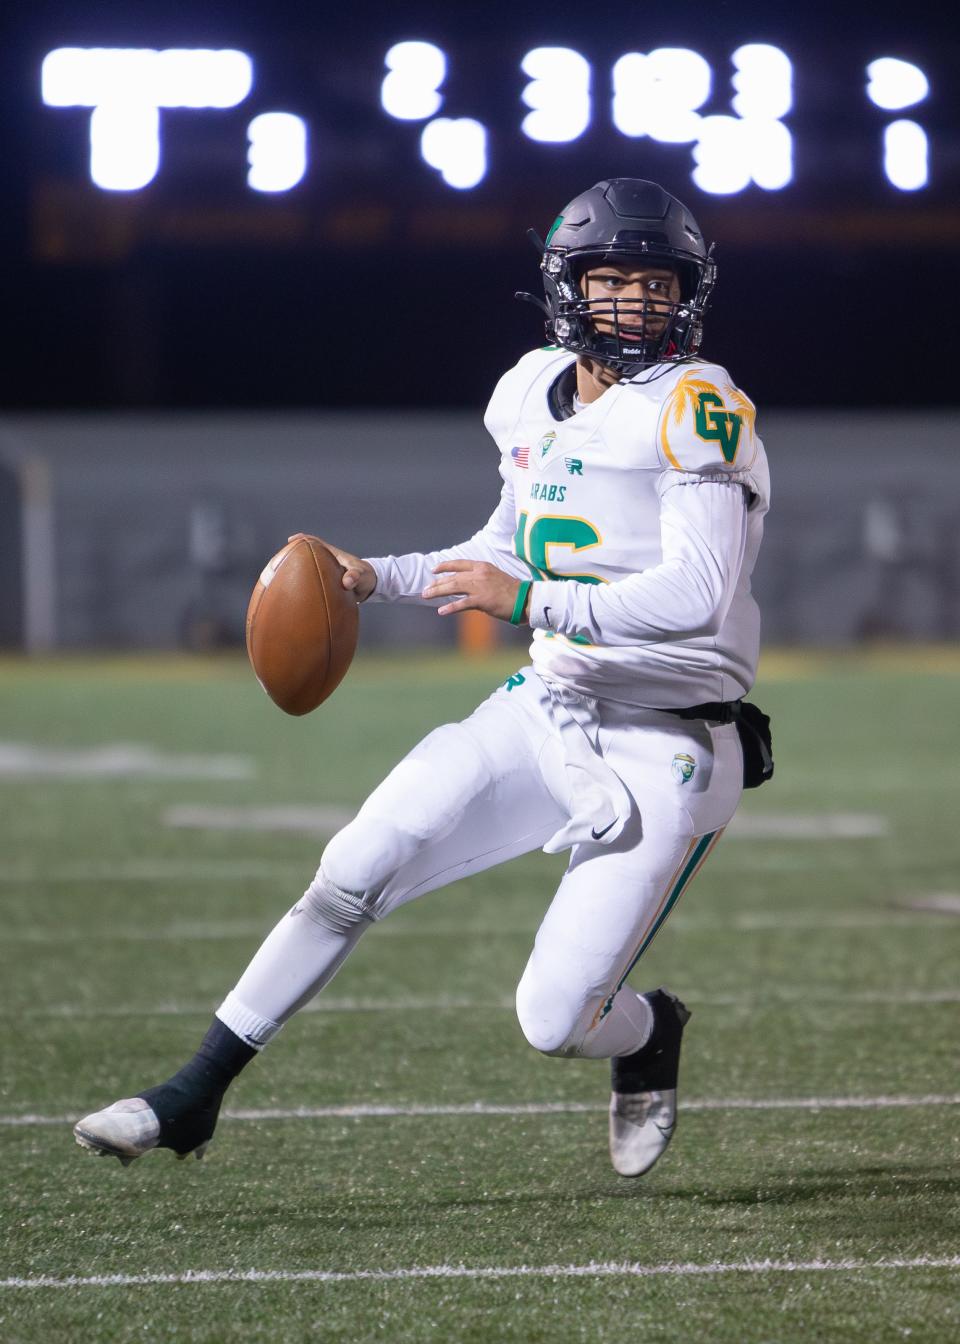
631 509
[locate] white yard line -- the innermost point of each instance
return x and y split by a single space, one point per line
155 870
892 997
940 902
589 1271
896 998
306 818
365 1111
807 826
214 930
118 761
324 819
323 1004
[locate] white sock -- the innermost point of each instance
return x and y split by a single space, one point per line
296 959
626 1027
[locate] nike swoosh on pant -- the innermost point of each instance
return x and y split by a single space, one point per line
598 835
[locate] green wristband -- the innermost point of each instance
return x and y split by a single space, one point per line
518 606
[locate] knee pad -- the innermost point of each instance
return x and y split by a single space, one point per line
420 800
548 1018
337 910
363 857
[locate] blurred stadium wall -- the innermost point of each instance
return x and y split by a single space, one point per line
148 532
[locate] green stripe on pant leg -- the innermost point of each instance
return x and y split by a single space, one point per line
675 895
672 899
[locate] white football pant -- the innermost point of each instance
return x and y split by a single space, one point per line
534 765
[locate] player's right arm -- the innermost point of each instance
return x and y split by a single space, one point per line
402 578
714 489
360 576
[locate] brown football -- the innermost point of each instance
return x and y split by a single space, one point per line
302 626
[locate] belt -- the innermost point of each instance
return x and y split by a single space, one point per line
721 711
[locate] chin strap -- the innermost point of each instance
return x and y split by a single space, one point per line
537 302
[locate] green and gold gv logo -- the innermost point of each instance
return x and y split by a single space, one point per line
718 425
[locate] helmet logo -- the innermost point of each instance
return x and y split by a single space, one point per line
553 228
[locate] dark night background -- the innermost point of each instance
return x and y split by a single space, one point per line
374 284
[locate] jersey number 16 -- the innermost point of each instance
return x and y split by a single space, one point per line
532 542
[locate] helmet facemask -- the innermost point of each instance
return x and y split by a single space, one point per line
627 334
631 223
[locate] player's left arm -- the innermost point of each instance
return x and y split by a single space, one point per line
703 531
712 474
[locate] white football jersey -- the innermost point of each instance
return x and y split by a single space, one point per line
651 499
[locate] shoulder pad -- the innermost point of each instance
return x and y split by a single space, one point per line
506 405
707 424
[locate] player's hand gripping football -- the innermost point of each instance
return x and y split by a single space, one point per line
483 588
360 577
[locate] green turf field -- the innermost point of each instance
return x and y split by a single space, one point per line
820 1082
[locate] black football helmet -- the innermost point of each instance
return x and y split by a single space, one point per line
621 221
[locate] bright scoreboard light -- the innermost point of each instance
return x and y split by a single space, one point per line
730 122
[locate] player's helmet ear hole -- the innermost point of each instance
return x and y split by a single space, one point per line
626 221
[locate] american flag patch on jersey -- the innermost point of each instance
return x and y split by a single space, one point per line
521 456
